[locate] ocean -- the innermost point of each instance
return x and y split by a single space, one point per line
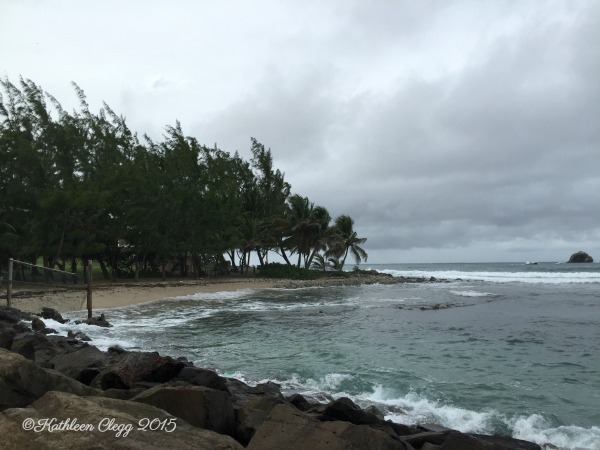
494 348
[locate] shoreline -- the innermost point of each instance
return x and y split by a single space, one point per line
107 295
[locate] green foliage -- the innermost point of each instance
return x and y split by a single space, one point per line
81 185
277 270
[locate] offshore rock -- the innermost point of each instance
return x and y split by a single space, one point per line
127 419
51 313
581 257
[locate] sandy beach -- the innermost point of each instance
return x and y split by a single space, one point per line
113 295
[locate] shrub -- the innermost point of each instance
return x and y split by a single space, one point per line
278 270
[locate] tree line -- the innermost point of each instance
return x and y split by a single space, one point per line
78 186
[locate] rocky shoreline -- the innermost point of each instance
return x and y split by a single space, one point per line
63 392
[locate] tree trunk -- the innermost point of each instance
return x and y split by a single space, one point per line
284 256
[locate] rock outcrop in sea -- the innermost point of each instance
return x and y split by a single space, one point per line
62 392
581 257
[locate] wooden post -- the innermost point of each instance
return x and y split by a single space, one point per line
89 288
9 283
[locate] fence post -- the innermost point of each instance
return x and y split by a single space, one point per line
9 283
89 288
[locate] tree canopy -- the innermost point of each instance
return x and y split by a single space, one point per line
81 185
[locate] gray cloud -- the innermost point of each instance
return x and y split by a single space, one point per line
455 131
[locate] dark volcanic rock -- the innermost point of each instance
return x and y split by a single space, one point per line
38 325
22 381
251 416
12 315
9 330
581 257
130 418
199 406
345 409
99 321
133 367
38 347
202 377
76 364
288 428
51 313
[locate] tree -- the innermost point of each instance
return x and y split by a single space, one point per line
346 241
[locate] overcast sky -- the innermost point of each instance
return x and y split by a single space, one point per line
450 131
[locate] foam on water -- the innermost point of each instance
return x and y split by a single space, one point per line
503 277
413 409
472 294
536 429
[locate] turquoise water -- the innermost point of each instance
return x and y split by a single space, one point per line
511 349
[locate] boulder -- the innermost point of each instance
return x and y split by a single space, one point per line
507 443
300 402
240 392
106 424
288 428
581 257
38 347
345 409
9 330
199 406
38 325
22 381
133 367
51 313
251 416
99 321
76 363
202 377
12 315
79 335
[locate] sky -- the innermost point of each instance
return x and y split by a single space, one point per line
451 131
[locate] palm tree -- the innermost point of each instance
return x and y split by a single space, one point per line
308 228
346 241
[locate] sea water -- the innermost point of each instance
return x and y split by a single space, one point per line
494 348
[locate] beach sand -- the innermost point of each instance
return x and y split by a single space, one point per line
112 295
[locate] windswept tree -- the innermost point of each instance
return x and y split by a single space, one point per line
308 229
346 241
80 185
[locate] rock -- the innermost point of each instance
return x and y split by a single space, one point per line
74 364
132 367
8 331
300 402
38 325
507 443
199 406
116 349
251 416
38 347
202 377
581 257
128 418
345 409
51 313
240 392
288 428
99 321
22 381
78 335
12 315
